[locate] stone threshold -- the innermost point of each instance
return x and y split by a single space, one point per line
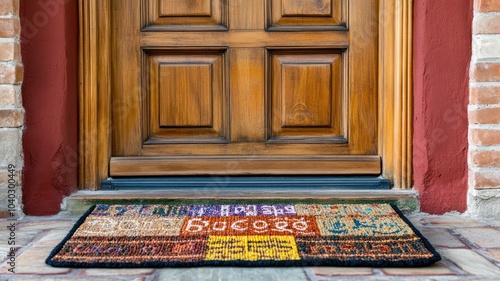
79 202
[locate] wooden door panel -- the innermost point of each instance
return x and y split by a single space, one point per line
245 165
362 82
126 83
246 148
184 14
186 95
247 69
320 8
306 96
246 39
179 8
244 87
300 14
250 14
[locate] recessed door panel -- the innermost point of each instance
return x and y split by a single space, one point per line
307 14
306 96
316 8
184 14
186 97
186 8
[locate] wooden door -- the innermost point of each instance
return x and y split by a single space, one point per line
235 87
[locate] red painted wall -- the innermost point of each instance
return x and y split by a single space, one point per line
443 36
442 54
49 48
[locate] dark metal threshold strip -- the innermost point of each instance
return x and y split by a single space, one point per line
247 183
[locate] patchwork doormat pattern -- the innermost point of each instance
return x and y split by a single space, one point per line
243 235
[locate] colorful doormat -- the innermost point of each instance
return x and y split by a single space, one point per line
243 235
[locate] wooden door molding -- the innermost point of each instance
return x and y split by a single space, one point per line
395 91
94 92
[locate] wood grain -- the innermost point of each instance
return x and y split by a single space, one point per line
247 99
183 14
244 165
114 100
185 95
187 99
396 92
246 15
126 79
306 96
300 147
307 8
171 8
247 39
94 98
312 15
363 82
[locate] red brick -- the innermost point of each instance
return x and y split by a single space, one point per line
485 95
10 51
486 72
8 95
11 74
485 158
9 28
11 118
487 24
4 177
484 116
484 179
484 137
487 6
9 7
4 214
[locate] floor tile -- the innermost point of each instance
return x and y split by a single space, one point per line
470 262
118 272
21 237
482 237
38 225
340 271
416 221
452 222
50 239
232 274
442 238
75 279
435 269
494 253
5 250
32 261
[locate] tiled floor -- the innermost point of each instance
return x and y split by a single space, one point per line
470 250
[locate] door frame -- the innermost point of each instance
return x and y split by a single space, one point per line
395 91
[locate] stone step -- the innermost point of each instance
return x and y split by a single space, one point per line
79 202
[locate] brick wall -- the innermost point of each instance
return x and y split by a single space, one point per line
484 111
11 111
